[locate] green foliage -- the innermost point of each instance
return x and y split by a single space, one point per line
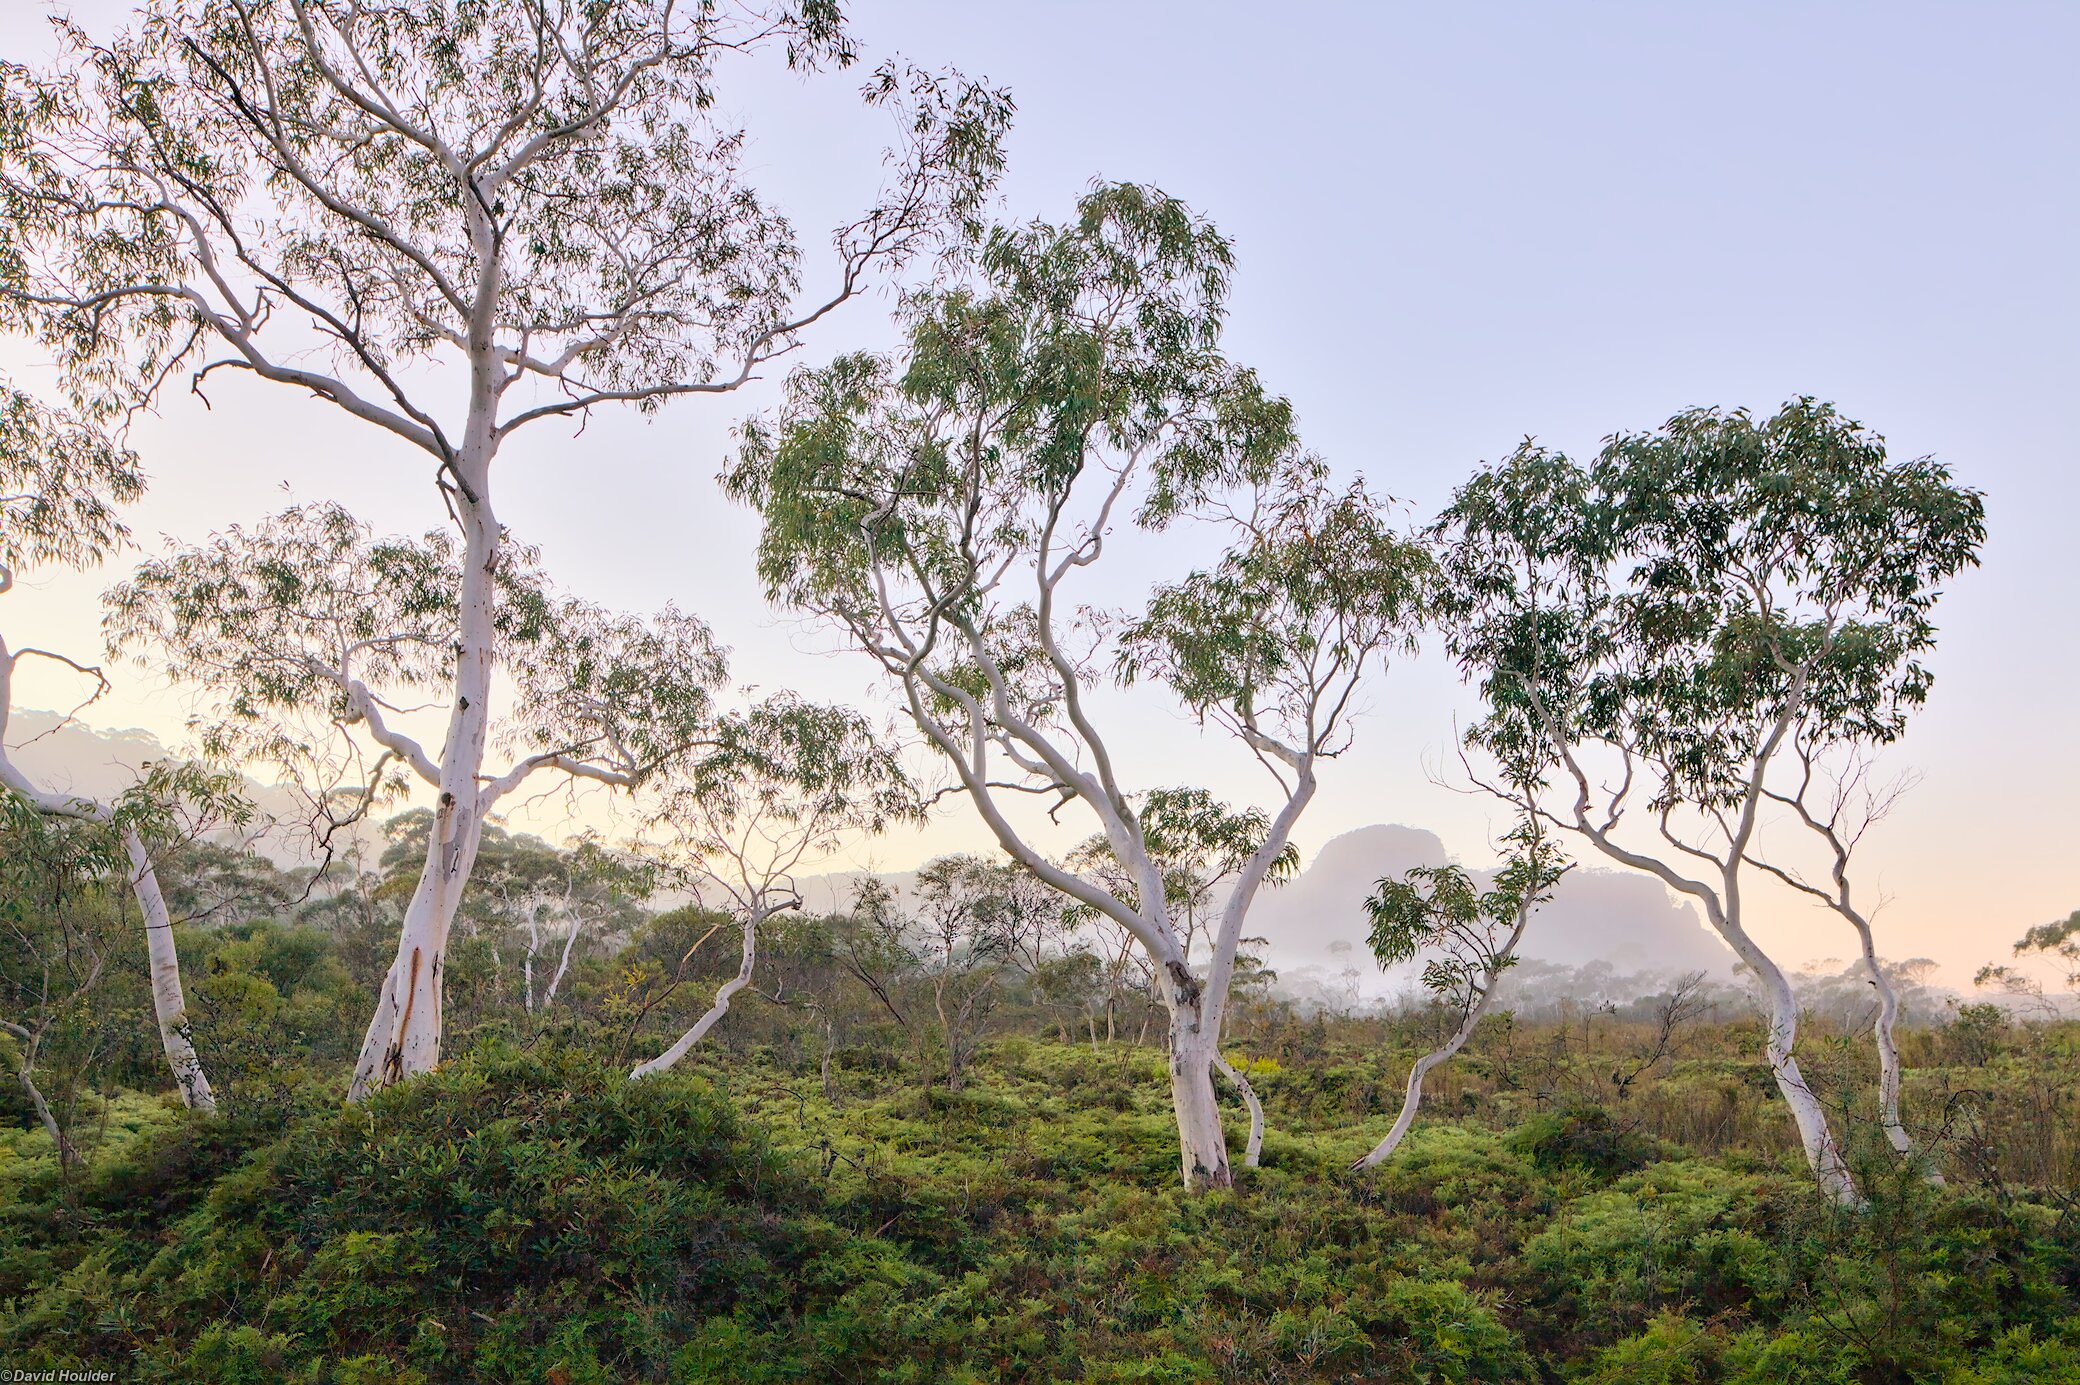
795 1206
61 482
1581 1137
215 144
1679 593
533 1216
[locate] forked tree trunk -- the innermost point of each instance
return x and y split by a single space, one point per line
169 1004
1723 912
404 1035
1202 1143
747 963
563 963
1254 1149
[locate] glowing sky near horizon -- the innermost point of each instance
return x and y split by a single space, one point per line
1456 225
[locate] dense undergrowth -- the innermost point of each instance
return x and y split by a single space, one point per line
530 1215
818 1194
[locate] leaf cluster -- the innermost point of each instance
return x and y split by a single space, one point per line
1696 583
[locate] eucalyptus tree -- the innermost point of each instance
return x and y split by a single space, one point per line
309 632
345 198
975 922
62 483
791 781
1657 630
944 510
57 942
2058 941
1467 938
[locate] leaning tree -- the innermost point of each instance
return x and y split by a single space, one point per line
61 481
788 782
1655 633
945 511
341 198
1466 938
308 635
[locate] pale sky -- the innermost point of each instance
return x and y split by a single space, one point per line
1456 225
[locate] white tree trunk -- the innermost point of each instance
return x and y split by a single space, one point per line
404 1034
824 1067
169 1004
24 1073
1723 911
1252 1151
723 995
67 1155
563 963
1888 1057
534 945
1202 1143
1823 1154
1412 1098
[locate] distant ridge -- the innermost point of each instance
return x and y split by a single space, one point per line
1626 920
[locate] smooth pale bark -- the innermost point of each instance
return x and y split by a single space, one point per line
1202 1141
747 963
1255 1147
1823 1154
1840 900
404 1034
25 1075
1412 1097
1815 1134
534 945
824 1067
169 1004
1722 907
563 964
1888 1057
1882 1030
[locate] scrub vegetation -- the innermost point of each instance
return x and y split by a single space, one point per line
377 1088
809 1196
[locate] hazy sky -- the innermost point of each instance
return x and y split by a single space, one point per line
1457 225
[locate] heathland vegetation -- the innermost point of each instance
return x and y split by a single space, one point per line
450 1103
880 1170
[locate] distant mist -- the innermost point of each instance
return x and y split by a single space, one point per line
1606 938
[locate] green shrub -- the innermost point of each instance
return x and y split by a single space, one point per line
1669 1235
1582 1137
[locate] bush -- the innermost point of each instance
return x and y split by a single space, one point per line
1582 1137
